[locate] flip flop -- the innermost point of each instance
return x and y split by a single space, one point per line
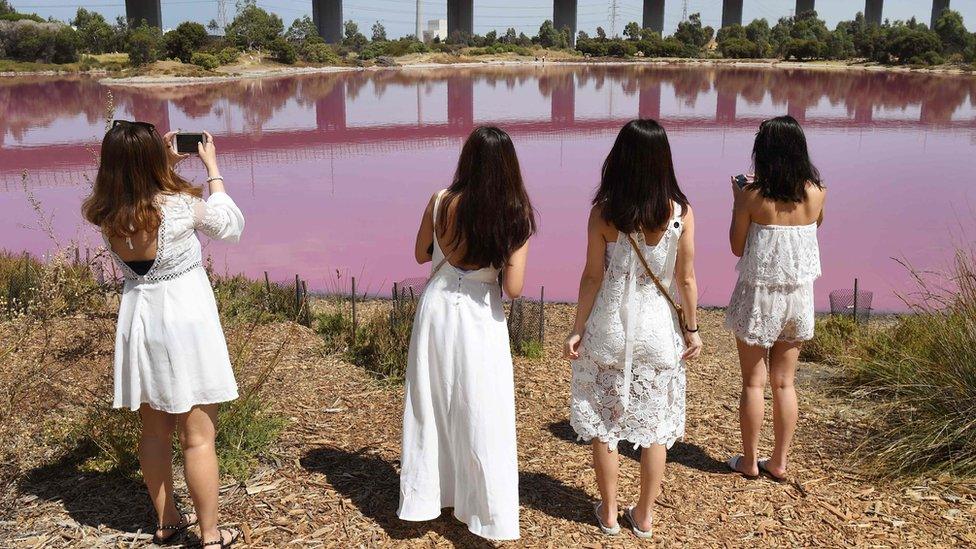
629 513
767 472
733 464
608 530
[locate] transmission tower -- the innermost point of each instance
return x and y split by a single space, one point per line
684 10
222 13
614 13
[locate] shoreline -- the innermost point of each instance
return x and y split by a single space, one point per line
287 71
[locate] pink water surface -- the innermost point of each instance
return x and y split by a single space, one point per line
333 170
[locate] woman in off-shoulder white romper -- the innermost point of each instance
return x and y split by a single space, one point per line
775 218
171 360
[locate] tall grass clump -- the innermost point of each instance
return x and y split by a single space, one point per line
920 375
381 345
835 338
242 299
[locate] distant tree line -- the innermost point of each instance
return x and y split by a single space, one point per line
28 37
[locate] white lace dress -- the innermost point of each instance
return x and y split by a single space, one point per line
773 298
458 447
170 350
629 381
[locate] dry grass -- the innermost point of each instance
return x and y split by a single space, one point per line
332 478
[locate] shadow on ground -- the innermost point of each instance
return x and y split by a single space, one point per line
682 453
115 500
373 485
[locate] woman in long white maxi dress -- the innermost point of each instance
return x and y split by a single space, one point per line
171 360
628 345
459 446
775 218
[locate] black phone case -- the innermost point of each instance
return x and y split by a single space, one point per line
187 143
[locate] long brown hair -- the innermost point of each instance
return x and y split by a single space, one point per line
132 170
638 181
782 161
493 217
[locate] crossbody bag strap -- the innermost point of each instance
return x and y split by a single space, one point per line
667 295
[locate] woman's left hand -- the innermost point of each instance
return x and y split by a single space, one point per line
693 345
172 156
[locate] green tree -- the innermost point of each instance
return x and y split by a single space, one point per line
691 33
731 31
491 37
283 51
581 35
915 44
94 33
353 38
632 31
302 29
145 45
510 36
548 36
253 28
186 39
213 26
952 32
6 8
379 32
840 44
601 34
739 48
759 33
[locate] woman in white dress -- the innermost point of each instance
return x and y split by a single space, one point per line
775 217
459 412
628 343
171 360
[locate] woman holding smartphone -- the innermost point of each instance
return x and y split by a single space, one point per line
171 360
775 216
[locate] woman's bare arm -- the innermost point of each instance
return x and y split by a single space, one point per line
425 234
684 273
513 276
590 281
739 227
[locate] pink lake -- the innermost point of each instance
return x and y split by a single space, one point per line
333 170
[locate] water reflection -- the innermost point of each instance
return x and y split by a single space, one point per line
378 141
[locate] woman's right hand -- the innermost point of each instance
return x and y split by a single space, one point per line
208 153
572 345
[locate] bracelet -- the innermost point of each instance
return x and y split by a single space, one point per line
212 179
690 331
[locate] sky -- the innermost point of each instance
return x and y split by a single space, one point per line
398 16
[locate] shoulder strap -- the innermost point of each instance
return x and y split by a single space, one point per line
657 282
437 205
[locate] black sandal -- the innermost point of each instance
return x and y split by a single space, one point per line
178 530
234 536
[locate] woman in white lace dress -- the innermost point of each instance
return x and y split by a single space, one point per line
171 360
628 345
459 412
775 217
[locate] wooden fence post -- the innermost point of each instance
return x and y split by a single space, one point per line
298 297
855 300
354 310
542 316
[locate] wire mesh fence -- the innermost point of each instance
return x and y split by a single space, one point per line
852 302
527 325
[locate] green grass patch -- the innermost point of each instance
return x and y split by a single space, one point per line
531 348
834 338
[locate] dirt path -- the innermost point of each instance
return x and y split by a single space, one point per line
335 483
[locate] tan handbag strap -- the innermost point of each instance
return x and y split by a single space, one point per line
657 282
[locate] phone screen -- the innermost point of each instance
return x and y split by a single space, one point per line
741 180
187 142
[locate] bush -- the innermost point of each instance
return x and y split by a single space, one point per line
739 48
909 45
335 329
254 28
247 431
283 51
318 52
228 55
39 42
186 39
833 340
802 49
58 287
381 345
240 299
146 45
205 60
921 377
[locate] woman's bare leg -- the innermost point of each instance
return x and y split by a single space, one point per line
156 461
197 430
653 459
606 463
752 361
783 359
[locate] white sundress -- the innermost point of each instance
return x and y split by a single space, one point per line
773 298
170 350
459 445
629 381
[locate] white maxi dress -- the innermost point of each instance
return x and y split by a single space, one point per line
629 380
170 351
459 412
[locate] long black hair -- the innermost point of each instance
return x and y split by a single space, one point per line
638 182
782 162
493 216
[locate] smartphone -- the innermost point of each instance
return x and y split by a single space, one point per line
187 142
741 180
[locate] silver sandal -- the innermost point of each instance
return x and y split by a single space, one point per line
629 513
608 530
